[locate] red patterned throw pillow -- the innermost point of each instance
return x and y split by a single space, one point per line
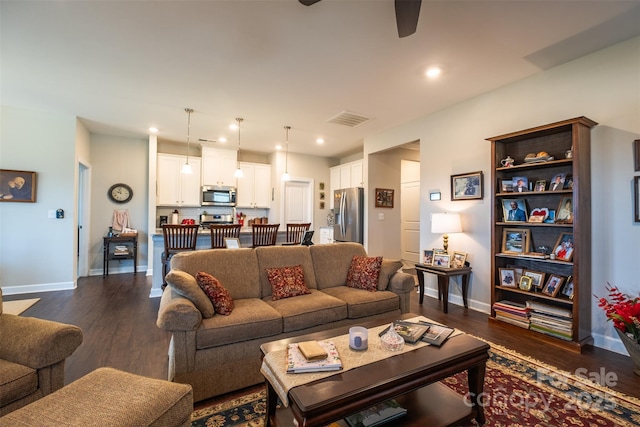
363 273
287 282
219 296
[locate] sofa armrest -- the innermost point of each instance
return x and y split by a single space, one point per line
36 343
401 283
177 313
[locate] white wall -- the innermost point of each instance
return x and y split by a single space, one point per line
604 86
37 253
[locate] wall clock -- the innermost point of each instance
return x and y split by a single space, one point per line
120 193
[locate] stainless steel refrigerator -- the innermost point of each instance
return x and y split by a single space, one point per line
348 205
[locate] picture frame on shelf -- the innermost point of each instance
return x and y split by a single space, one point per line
525 283
384 198
551 218
557 182
505 185
538 215
564 247
427 257
441 260
567 289
537 278
564 214
518 271
507 278
553 285
568 183
515 240
514 210
636 192
17 186
467 186
520 184
541 185
458 259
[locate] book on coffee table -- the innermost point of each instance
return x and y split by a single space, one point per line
297 363
376 415
411 332
437 334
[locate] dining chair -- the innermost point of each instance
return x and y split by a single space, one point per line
264 234
177 238
295 232
220 231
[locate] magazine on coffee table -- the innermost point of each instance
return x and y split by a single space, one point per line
411 332
437 334
297 363
376 415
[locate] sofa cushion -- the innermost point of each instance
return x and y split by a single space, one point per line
236 269
306 311
388 268
284 256
287 282
251 318
364 272
186 285
331 262
361 303
16 381
219 296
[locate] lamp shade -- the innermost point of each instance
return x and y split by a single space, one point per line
443 223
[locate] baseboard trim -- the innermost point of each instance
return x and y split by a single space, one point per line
44 287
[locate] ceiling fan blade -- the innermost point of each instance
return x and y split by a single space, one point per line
407 13
308 2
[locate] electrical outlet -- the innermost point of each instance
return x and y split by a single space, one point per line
51 213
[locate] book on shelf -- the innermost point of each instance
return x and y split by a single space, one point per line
538 255
376 415
297 363
521 323
553 332
549 309
411 332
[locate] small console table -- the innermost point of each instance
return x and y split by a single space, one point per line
109 254
444 274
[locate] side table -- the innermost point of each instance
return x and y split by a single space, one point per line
108 253
444 274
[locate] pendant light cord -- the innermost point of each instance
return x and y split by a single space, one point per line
189 111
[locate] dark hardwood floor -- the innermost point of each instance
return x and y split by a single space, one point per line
118 319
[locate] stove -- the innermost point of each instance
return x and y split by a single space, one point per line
206 220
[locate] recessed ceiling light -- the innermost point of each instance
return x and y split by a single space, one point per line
320 141
433 72
222 139
233 126
278 147
153 130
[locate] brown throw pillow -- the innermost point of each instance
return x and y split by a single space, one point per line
363 272
388 269
287 282
186 285
219 296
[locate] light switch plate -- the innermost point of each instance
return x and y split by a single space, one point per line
51 213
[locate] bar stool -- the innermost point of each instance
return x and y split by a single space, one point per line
177 238
295 232
221 231
264 234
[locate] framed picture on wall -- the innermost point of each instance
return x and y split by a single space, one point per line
384 198
17 186
467 186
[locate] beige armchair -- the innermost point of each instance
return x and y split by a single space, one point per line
32 356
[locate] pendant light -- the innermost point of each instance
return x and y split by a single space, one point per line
238 173
186 168
285 176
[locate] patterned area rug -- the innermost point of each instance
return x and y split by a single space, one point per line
518 391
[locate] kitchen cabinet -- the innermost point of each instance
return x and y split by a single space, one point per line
326 235
254 188
175 188
219 166
347 175
528 247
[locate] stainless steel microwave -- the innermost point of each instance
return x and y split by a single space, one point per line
214 195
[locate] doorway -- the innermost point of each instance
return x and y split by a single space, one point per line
410 210
84 186
297 201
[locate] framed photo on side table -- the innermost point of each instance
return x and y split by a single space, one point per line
458 259
442 260
467 186
427 257
17 186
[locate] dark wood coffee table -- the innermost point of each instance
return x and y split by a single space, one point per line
411 378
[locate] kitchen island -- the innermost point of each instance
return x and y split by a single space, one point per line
204 242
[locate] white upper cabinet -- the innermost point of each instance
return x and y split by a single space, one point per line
254 188
347 175
175 188
218 166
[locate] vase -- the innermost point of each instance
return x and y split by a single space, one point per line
633 348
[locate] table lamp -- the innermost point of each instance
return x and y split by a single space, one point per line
445 223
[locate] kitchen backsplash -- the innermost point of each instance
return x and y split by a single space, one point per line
194 212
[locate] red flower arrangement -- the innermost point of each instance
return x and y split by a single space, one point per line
623 310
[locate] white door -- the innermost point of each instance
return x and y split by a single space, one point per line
84 206
297 202
410 210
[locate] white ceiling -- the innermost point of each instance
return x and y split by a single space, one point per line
123 66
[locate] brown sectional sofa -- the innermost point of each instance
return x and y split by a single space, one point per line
220 354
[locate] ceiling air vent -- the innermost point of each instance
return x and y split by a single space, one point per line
349 118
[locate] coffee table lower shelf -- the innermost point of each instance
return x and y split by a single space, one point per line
434 405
